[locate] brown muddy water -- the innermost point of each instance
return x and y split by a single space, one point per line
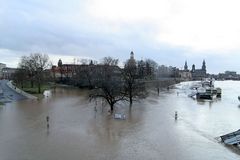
78 131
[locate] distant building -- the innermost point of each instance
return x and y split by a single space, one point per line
231 73
199 74
186 66
2 65
185 74
164 71
143 69
81 74
131 62
228 75
64 70
193 74
7 73
167 72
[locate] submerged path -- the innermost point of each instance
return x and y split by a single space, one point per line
10 93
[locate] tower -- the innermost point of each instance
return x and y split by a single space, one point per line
59 63
132 55
185 66
204 65
131 63
193 68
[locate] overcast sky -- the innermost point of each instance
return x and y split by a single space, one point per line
167 31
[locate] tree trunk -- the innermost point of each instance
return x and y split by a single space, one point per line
130 96
31 83
130 99
90 84
61 78
111 106
39 87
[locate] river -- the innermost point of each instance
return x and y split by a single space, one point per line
79 131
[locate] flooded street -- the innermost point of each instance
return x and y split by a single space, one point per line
78 131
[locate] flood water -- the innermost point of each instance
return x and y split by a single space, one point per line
79 131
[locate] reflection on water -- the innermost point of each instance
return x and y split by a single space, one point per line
79 129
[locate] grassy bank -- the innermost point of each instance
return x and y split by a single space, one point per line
34 90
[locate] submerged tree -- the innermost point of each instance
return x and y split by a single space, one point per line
134 87
84 76
151 68
108 84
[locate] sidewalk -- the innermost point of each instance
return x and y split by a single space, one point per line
29 96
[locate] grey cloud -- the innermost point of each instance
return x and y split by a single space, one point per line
64 28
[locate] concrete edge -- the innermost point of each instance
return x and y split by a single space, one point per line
29 96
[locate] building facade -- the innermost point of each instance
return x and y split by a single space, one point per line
228 75
2 65
82 75
186 74
199 74
7 73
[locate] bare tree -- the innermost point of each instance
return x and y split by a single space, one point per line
141 69
147 69
108 84
110 61
84 61
20 76
41 62
151 68
84 76
27 65
134 88
34 65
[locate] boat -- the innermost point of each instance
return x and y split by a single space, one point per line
208 82
206 90
219 92
239 98
231 138
203 93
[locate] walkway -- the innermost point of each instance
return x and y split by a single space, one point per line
9 93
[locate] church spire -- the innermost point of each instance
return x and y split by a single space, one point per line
193 68
204 65
131 62
59 63
132 55
185 66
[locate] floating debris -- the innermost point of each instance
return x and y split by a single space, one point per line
176 115
119 116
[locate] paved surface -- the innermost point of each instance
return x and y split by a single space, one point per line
9 93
